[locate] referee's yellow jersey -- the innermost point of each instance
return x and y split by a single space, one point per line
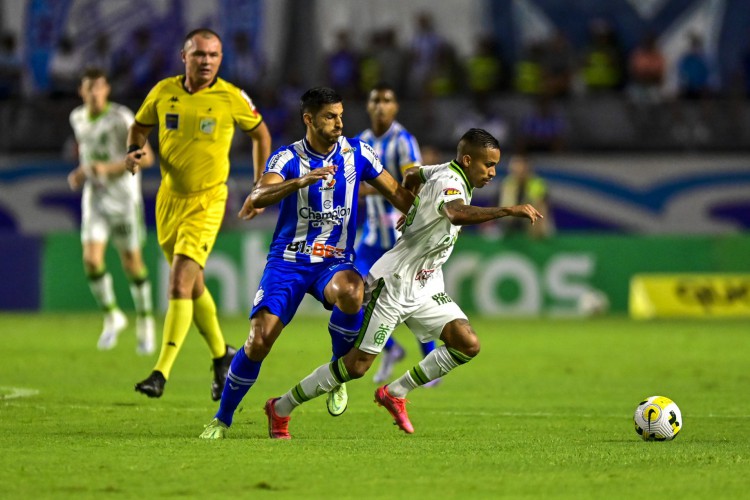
196 130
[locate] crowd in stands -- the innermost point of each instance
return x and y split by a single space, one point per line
424 68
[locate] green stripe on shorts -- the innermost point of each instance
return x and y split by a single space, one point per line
368 311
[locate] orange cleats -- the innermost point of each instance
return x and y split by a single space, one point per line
278 427
396 407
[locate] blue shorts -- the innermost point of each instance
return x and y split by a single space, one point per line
367 256
284 285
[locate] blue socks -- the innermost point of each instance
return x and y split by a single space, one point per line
427 347
242 375
344 330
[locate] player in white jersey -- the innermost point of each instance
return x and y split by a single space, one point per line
112 207
406 285
398 151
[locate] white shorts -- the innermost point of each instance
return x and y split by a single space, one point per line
126 229
425 317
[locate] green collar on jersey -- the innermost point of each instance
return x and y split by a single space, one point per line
93 118
456 168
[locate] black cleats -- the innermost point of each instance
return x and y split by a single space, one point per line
221 368
153 386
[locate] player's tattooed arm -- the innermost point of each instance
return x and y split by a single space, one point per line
461 214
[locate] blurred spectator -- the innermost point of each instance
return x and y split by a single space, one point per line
65 69
278 117
603 67
543 128
245 65
528 70
484 70
382 61
558 65
694 71
342 66
647 70
522 185
745 69
139 64
10 67
432 155
100 55
444 80
369 66
481 115
423 55
390 59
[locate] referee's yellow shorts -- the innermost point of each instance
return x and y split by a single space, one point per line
188 224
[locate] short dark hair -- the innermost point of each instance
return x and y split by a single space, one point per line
93 73
201 31
476 138
315 98
384 87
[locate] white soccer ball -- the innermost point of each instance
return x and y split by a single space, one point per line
657 419
593 303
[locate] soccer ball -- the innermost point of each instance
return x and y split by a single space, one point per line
657 419
593 303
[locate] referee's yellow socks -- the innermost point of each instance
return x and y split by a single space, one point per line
176 327
204 315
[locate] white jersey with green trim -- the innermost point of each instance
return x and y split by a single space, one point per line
103 139
413 267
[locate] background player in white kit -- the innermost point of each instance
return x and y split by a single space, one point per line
406 285
112 207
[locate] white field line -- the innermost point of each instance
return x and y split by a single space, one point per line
509 414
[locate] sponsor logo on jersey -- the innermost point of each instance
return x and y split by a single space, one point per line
451 191
318 219
441 298
272 164
172 121
317 249
328 184
423 275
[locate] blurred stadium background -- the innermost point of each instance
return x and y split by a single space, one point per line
635 113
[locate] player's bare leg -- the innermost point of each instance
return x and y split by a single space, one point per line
140 289
100 282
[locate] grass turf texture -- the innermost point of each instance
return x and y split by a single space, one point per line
544 411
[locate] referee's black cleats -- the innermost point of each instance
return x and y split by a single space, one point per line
153 386
221 369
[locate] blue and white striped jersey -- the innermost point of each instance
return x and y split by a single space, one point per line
398 150
319 222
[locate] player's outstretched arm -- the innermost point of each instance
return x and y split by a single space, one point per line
272 188
461 214
393 192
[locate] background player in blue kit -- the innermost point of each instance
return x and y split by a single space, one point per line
398 150
317 181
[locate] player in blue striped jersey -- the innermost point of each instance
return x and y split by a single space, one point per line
316 181
398 150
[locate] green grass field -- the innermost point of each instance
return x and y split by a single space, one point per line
545 411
